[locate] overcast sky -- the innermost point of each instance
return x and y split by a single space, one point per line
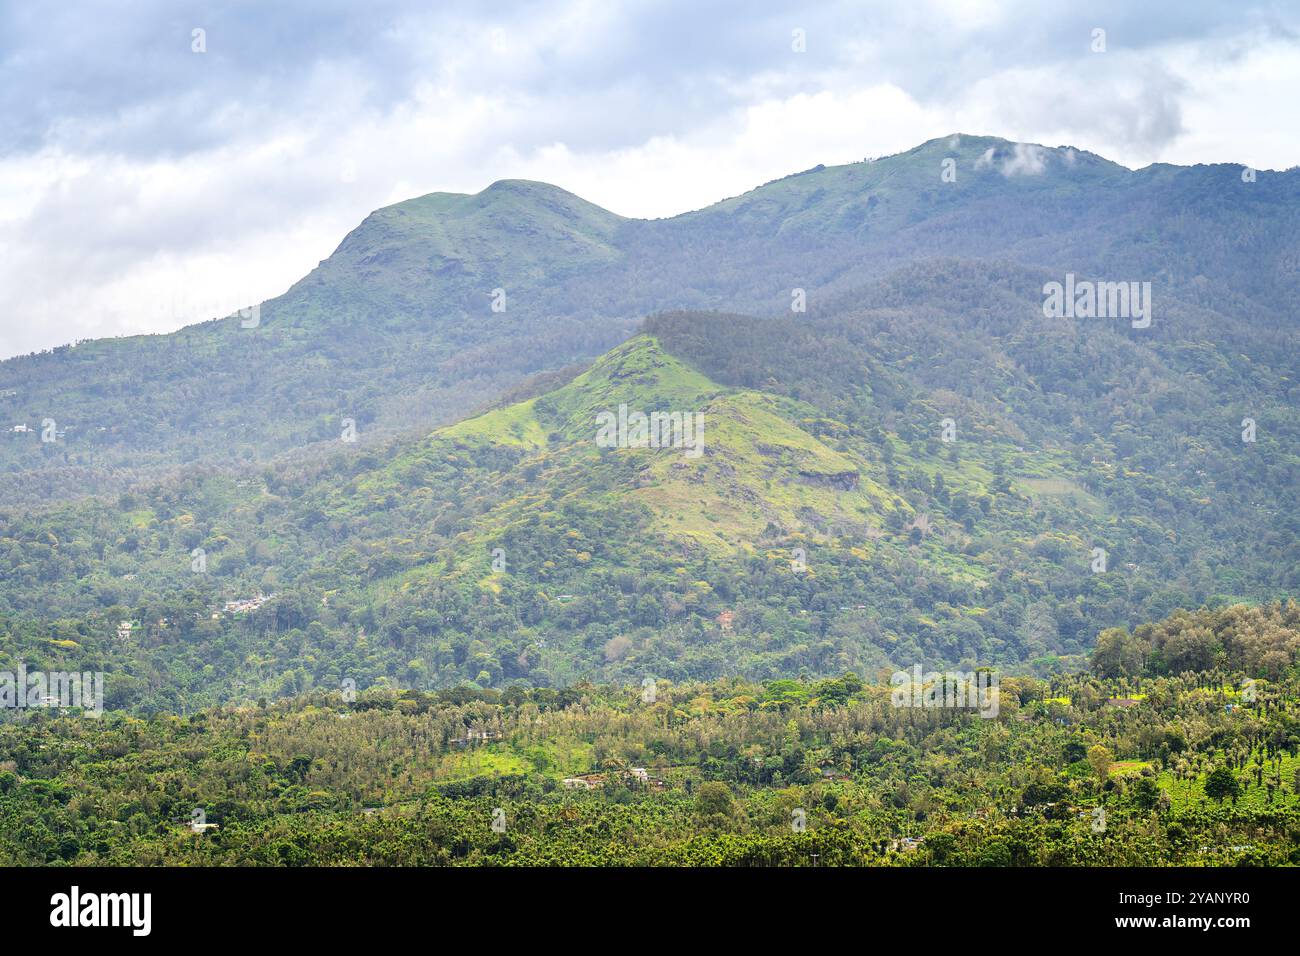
144 186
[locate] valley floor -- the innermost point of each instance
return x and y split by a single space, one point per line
1199 769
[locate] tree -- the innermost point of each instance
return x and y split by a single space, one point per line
1100 759
1221 783
1146 794
1117 654
713 801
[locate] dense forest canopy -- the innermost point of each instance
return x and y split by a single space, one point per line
1194 768
827 525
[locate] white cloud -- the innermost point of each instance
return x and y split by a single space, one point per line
669 175
1026 159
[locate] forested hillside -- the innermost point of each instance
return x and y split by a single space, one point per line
825 525
1194 768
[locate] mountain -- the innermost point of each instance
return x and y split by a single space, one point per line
922 467
825 524
396 330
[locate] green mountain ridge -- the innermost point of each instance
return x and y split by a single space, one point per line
825 526
921 467
396 330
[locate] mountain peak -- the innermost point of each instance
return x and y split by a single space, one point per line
525 187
